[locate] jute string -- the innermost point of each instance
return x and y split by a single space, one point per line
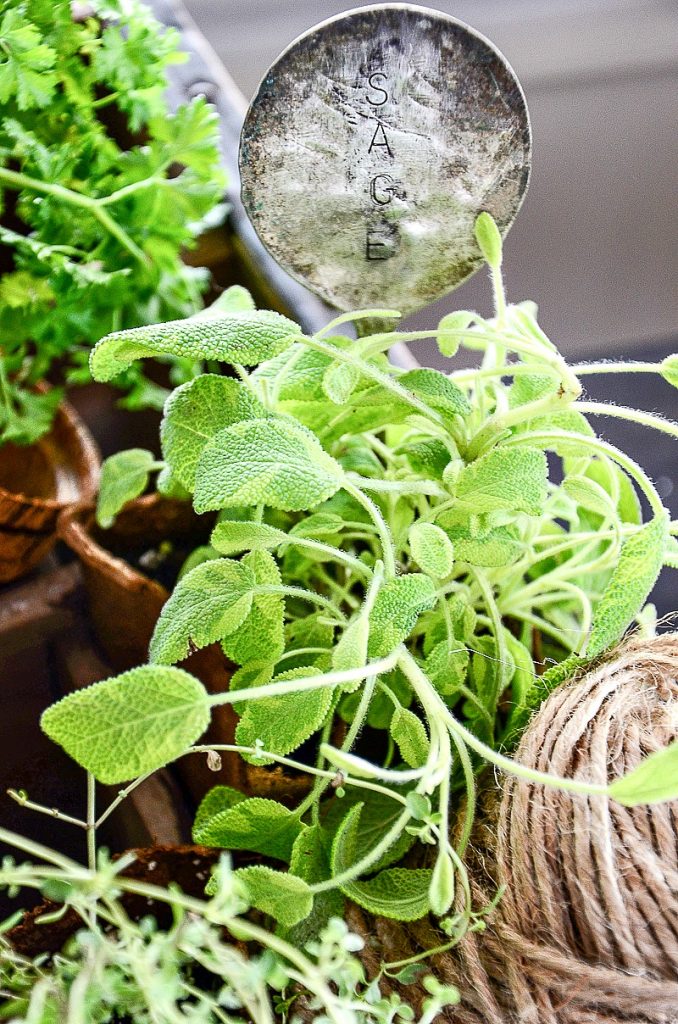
587 929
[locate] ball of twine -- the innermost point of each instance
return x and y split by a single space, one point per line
587 929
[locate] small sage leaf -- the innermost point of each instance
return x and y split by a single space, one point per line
247 337
232 536
634 576
351 649
654 780
431 549
398 893
273 461
261 635
283 723
218 799
207 604
124 476
339 382
409 735
130 724
195 412
396 609
263 826
436 390
511 479
669 370
488 239
284 896
449 328
441 892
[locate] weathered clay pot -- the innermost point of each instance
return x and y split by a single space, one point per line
36 483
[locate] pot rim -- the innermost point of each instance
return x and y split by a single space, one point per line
87 462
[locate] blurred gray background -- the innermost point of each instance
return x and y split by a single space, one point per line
596 243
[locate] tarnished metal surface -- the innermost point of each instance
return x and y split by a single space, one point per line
371 146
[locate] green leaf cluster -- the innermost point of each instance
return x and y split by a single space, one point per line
397 556
102 188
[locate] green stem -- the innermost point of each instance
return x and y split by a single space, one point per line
363 865
388 552
91 822
300 592
630 366
325 680
400 486
51 812
645 419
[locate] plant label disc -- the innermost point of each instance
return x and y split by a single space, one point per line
372 145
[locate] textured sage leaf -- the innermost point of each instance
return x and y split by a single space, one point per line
488 239
284 723
261 635
437 390
124 476
669 370
195 412
218 799
589 495
448 331
396 609
378 814
429 457
447 667
654 780
528 387
130 724
284 896
231 536
339 381
634 576
493 549
246 336
233 299
207 604
263 826
511 479
273 461
409 735
351 648
311 861
441 891
671 553
431 549
398 893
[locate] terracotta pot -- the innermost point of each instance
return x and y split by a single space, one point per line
37 483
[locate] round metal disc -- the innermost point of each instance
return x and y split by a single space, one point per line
370 148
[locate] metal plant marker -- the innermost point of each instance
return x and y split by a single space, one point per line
371 146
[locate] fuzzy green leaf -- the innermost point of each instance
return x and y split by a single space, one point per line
246 337
634 576
261 636
284 723
436 390
409 734
493 549
273 461
379 812
124 476
396 609
654 780
263 826
231 536
311 861
669 370
195 412
339 381
286 897
398 893
130 724
217 800
488 239
351 649
511 479
447 667
207 604
448 328
441 892
431 549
